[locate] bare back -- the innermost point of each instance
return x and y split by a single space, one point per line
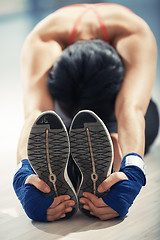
118 21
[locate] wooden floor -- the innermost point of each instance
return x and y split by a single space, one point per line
142 222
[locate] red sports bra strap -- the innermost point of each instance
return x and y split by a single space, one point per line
71 39
103 27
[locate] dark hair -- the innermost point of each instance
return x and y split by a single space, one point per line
85 73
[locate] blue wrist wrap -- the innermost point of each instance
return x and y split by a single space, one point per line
123 193
33 200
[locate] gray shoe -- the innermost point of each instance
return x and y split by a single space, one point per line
48 152
92 151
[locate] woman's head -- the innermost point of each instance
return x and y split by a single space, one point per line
87 72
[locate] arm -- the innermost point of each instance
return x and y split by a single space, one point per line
138 51
38 57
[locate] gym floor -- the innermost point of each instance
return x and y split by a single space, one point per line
143 220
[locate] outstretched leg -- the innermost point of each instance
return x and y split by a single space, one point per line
151 132
152 125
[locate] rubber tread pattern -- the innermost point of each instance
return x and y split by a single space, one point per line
80 151
58 153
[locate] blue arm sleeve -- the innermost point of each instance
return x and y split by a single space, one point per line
123 193
34 202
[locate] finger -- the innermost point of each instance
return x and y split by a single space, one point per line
57 216
88 205
54 214
97 211
106 216
103 209
63 215
69 209
58 212
59 199
61 207
111 180
98 202
38 183
109 210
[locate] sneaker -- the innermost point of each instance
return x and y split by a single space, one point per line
92 151
48 152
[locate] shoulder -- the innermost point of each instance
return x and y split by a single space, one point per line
53 27
127 24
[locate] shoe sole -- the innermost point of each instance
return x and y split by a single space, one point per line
48 152
92 151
